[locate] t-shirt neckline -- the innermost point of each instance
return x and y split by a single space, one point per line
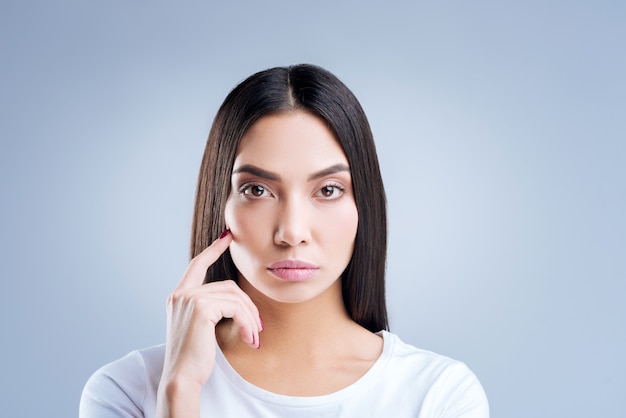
242 385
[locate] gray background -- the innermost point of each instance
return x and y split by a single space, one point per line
501 132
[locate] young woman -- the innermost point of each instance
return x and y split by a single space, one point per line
281 311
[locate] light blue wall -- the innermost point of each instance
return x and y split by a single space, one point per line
502 137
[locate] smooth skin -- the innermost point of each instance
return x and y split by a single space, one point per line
291 199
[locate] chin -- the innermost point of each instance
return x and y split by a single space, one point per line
285 292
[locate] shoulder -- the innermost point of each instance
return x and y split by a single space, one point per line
446 386
122 387
415 360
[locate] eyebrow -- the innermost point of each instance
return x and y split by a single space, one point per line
259 172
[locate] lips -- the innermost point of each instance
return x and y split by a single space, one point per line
293 270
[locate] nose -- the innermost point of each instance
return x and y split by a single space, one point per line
293 226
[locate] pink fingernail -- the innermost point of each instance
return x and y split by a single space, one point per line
224 233
262 324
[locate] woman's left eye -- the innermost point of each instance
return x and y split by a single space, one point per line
330 191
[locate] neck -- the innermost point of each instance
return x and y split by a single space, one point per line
301 329
315 339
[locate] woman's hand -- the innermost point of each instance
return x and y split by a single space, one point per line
193 311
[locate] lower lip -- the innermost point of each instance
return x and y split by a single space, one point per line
294 275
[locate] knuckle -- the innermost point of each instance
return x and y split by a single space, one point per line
231 285
180 297
175 295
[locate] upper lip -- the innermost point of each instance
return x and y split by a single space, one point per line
292 264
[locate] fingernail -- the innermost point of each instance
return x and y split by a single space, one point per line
224 233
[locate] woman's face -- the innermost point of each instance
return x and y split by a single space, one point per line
291 210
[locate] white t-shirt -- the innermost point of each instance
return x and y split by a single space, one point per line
404 382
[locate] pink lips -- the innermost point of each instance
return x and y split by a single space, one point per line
293 270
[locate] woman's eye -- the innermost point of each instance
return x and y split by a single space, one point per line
330 192
254 190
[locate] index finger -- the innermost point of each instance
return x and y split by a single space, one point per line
196 271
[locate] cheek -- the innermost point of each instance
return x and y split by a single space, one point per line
236 222
229 213
345 226
352 224
244 222
236 218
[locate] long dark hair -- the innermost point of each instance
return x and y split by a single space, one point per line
312 89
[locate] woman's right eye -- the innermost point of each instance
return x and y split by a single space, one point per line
254 190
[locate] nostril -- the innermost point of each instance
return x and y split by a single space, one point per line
289 236
293 223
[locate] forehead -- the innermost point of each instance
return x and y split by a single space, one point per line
288 141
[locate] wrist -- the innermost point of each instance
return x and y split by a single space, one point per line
178 398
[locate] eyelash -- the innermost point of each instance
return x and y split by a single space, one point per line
334 186
245 190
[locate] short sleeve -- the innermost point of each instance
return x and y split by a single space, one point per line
116 390
464 396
